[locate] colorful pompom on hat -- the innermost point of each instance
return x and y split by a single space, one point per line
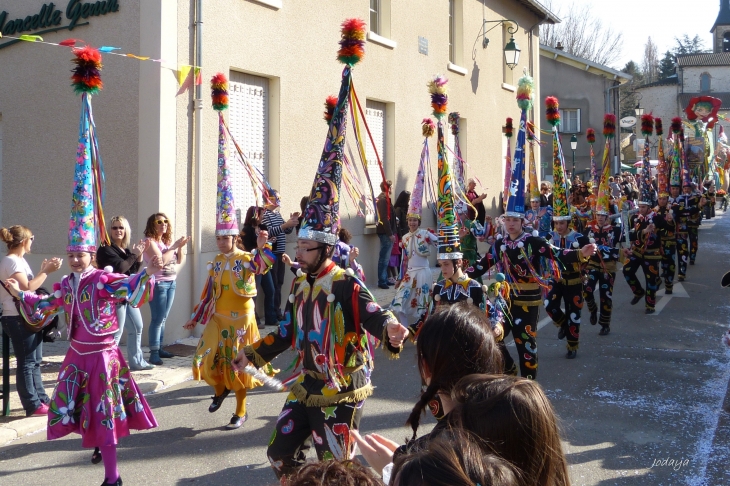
447 230
428 127
561 211
87 228
321 219
226 222
516 189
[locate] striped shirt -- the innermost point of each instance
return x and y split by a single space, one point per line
273 222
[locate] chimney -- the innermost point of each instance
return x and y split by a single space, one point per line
559 46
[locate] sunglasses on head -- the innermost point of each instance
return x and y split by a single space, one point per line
163 221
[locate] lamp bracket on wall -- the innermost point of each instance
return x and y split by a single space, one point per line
512 52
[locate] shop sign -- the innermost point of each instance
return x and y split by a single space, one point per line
49 18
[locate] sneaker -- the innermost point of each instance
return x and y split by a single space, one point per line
637 298
236 421
383 286
649 310
604 331
40 411
218 401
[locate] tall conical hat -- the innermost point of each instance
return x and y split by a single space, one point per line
416 203
449 246
595 170
561 211
322 215
662 169
647 127
508 131
603 201
87 228
532 168
675 170
516 201
226 222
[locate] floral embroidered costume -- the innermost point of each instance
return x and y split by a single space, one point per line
96 395
412 297
226 308
331 319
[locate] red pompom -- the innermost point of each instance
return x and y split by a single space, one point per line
658 127
647 124
552 112
676 124
591 135
508 130
609 125
329 105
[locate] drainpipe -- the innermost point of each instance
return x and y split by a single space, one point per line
198 173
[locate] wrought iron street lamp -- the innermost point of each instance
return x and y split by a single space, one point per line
573 146
511 50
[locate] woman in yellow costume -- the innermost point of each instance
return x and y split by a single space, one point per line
226 306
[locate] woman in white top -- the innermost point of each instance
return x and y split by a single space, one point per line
27 345
159 234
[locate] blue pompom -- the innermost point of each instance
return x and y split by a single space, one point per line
499 277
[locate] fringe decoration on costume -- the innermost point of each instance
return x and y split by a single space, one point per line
428 127
647 125
609 125
439 96
86 75
525 86
219 91
551 110
508 129
329 108
352 43
591 136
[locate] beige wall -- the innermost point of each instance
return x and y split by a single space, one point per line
661 102
719 78
146 134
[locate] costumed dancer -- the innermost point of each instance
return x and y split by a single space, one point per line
678 201
536 218
96 395
331 319
412 294
664 212
227 302
455 286
508 132
646 247
567 288
602 266
525 258
690 203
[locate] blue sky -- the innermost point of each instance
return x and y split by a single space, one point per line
660 19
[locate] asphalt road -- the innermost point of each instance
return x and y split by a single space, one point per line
645 405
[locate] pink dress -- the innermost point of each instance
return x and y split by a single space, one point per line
96 395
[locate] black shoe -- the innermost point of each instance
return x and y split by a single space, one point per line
236 421
667 291
561 333
604 331
383 286
649 310
571 354
218 401
637 298
96 456
691 262
118 482
282 317
166 354
594 318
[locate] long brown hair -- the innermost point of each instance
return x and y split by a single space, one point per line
454 458
516 421
15 235
150 230
454 342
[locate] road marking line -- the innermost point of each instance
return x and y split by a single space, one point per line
677 291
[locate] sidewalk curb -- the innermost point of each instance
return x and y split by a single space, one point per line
29 425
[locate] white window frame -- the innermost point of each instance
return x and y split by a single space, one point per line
456 37
380 33
564 125
376 114
250 132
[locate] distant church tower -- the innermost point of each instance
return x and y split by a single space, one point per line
721 29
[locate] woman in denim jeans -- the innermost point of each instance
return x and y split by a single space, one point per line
27 346
159 234
124 260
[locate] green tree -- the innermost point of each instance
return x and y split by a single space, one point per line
685 45
667 66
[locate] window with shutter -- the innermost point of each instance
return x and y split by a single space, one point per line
248 121
375 117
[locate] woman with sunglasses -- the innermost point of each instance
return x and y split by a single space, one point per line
27 345
126 261
159 235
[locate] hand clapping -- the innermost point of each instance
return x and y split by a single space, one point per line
155 265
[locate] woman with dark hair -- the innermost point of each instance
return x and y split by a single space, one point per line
400 208
455 458
27 345
455 341
159 233
253 222
334 473
515 421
